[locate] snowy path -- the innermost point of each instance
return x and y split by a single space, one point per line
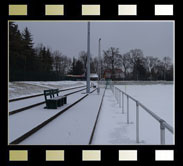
112 127
26 102
22 122
74 127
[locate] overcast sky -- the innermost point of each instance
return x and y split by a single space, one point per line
154 38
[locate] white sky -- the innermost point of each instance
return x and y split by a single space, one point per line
154 38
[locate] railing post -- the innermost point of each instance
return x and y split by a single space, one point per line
118 96
137 122
120 99
115 92
123 110
162 132
128 116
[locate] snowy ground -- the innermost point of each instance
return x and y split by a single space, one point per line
22 122
73 127
112 125
24 88
111 129
30 101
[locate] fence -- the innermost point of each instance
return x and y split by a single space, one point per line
119 95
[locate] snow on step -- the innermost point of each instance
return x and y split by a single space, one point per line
22 122
74 127
111 128
26 102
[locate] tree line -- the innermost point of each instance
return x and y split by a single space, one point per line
136 66
39 63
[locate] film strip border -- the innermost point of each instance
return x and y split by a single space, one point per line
90 10
66 155
91 155
95 9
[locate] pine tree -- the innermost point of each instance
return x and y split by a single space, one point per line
29 52
16 54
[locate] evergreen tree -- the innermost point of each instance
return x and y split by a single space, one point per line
16 52
29 53
79 68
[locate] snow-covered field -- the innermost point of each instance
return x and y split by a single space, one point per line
112 127
23 88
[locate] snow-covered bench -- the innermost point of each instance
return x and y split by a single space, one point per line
54 100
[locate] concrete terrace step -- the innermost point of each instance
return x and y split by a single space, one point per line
74 127
22 122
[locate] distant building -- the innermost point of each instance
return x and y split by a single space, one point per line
118 74
76 77
93 76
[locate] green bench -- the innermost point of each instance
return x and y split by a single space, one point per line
54 99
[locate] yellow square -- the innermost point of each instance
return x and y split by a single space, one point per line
127 155
54 10
127 10
18 155
91 155
90 10
55 155
15 10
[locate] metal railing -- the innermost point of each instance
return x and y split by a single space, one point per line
119 95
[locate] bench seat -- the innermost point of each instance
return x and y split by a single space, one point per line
54 101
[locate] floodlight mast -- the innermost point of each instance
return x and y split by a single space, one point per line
99 59
88 60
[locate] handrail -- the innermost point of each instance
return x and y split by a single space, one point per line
163 123
168 127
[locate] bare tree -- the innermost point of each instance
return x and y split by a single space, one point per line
83 58
151 63
61 63
126 65
94 65
167 65
138 64
112 59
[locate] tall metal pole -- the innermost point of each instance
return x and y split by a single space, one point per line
88 60
99 57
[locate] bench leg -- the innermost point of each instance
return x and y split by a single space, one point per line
65 100
60 103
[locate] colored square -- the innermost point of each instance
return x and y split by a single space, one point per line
90 10
91 155
127 155
164 155
127 10
18 155
54 155
163 10
15 10
54 10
